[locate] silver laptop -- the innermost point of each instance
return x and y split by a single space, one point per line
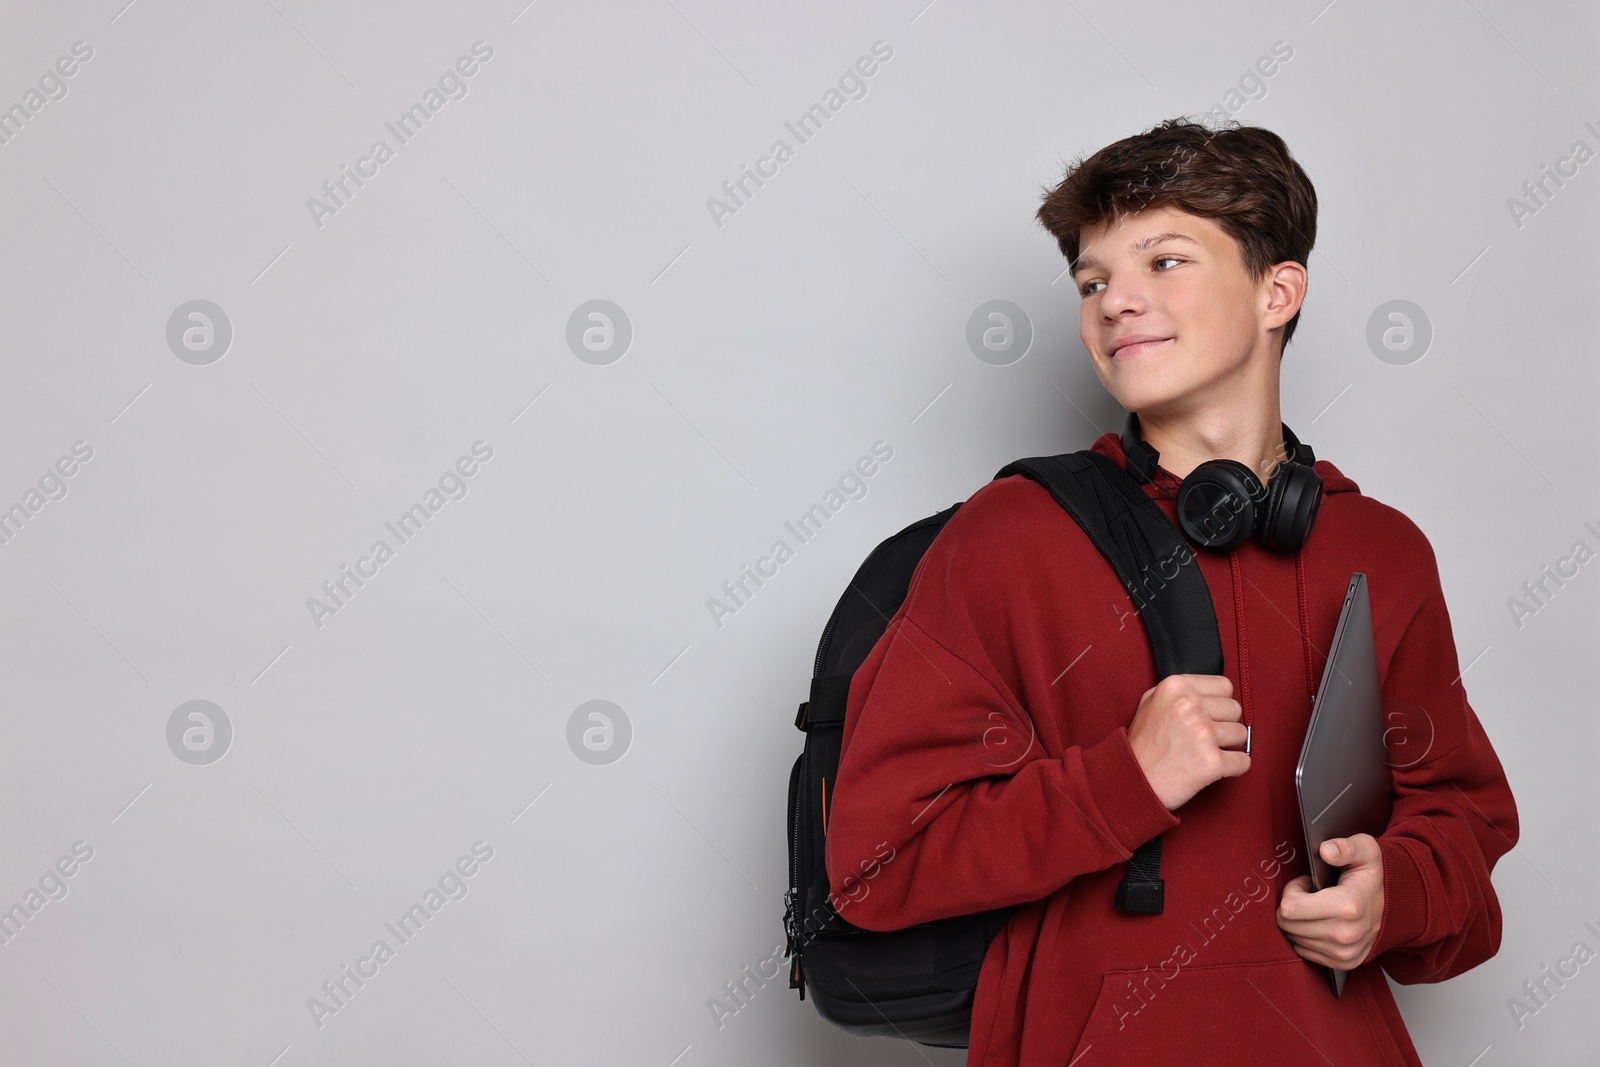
1343 777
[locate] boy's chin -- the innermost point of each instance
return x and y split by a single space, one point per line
1158 390
1151 397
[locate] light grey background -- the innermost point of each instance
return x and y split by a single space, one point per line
768 353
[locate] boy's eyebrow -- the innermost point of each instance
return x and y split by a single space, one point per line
1085 262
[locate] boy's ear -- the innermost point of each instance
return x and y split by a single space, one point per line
1289 279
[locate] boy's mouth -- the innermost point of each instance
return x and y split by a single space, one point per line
1126 351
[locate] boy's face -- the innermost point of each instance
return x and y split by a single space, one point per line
1171 275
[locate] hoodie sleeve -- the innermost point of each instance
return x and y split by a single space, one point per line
941 765
1454 815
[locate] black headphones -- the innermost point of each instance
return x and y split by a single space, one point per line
1222 502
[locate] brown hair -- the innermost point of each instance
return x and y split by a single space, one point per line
1241 177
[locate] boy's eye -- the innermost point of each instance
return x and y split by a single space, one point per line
1083 290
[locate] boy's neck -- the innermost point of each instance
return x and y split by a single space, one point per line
1251 433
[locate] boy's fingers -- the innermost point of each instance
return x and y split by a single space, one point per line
1354 851
1300 906
1210 684
1222 709
1293 891
1230 734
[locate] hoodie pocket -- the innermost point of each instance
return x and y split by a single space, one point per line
1233 1015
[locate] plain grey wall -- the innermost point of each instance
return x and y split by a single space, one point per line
746 359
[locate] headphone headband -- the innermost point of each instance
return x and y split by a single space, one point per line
1298 453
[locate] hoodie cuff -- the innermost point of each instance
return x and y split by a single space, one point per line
1405 899
1122 792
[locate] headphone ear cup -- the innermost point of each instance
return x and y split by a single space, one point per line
1273 532
1218 504
1293 495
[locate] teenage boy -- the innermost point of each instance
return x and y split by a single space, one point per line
1007 738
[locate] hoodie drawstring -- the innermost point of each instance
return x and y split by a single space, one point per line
1241 634
1305 624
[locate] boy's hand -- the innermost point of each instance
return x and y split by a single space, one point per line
1337 926
1186 735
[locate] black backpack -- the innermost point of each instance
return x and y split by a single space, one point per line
918 983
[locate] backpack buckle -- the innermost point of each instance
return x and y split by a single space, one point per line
1141 898
800 716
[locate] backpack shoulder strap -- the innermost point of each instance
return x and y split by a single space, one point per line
1158 569
1149 554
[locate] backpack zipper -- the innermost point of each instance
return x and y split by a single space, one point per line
793 900
827 631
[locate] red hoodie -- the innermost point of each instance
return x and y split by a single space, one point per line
986 742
